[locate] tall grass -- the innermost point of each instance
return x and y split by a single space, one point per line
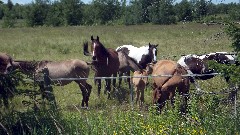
207 114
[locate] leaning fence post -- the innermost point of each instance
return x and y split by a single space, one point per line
48 90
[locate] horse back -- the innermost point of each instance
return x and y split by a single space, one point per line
163 67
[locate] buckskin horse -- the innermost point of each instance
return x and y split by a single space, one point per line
105 62
127 64
74 68
198 64
170 79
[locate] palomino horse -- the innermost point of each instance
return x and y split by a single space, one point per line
63 69
197 64
127 64
5 62
170 81
105 62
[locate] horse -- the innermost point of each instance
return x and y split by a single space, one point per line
164 87
74 68
5 62
105 62
127 64
140 81
142 55
198 64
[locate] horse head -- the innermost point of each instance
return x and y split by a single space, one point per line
153 51
98 51
5 63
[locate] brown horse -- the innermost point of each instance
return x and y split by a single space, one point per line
105 62
165 86
5 62
62 69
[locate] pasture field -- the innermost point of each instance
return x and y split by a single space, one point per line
119 115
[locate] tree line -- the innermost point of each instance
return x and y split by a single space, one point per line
115 12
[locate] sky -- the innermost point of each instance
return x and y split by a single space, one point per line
88 1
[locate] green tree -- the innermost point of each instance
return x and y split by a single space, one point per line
36 13
200 9
72 11
162 12
184 11
133 14
55 15
9 19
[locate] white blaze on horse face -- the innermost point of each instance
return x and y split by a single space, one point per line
154 55
94 45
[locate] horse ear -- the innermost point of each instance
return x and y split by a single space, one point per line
97 38
156 45
92 37
149 44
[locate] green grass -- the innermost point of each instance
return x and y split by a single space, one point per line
119 116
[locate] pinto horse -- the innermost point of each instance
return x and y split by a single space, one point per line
197 64
63 69
142 55
105 61
164 87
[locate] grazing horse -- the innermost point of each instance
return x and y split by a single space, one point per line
127 64
63 69
5 62
165 86
197 64
143 55
105 62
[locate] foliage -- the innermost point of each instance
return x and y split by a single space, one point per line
8 86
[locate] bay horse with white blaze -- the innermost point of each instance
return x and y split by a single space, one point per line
105 62
198 64
74 68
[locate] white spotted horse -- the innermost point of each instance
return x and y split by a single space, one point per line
141 56
198 64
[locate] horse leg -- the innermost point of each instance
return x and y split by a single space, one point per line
120 79
129 80
99 86
108 87
114 80
142 97
137 94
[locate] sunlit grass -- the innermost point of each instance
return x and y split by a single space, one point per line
119 115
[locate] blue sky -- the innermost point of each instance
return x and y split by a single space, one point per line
88 1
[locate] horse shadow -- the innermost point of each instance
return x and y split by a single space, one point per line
121 94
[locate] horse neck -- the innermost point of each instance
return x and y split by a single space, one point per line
25 66
103 52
